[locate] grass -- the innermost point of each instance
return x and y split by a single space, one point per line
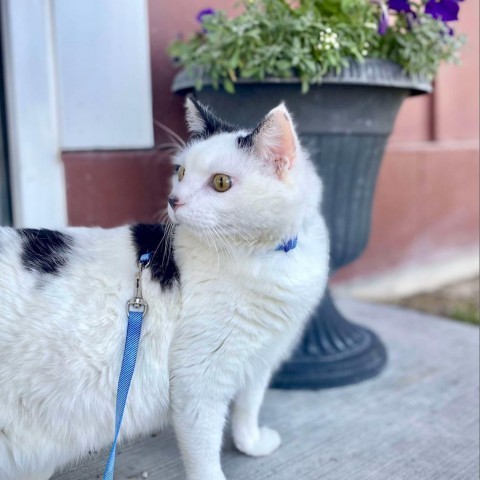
459 301
467 313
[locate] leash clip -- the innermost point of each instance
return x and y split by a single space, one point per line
138 303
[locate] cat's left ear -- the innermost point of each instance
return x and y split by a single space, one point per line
202 122
275 140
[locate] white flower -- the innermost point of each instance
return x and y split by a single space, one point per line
328 39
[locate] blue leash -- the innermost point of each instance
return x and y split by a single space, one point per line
136 309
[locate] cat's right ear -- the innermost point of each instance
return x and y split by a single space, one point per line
274 140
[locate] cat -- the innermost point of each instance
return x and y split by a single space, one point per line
229 289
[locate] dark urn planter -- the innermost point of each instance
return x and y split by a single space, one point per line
344 123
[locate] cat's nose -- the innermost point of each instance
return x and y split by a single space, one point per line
173 201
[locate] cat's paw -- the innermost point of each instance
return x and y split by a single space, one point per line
264 443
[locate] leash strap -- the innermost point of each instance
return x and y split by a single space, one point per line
136 309
128 366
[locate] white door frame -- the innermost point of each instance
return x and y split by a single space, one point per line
48 46
36 169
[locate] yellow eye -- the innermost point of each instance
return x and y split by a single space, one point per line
180 173
221 182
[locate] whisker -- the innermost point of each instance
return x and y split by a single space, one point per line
166 147
168 238
238 229
168 130
215 246
162 216
225 241
167 246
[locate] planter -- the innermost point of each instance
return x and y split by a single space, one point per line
344 123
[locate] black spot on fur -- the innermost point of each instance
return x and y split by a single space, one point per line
153 239
45 251
248 141
212 124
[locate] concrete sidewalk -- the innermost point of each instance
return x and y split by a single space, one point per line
419 420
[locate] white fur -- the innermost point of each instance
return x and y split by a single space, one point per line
215 337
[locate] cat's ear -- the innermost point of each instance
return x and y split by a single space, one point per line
202 122
275 140
195 114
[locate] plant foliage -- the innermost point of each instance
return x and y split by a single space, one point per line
308 38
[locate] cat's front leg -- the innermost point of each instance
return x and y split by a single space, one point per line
198 419
248 436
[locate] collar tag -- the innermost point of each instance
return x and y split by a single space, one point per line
288 245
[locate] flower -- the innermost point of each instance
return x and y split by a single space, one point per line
205 12
383 20
400 6
328 39
446 10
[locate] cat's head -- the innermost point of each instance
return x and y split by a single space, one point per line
255 186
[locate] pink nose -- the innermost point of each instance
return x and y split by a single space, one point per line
174 202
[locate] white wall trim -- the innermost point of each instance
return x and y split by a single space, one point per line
36 168
102 50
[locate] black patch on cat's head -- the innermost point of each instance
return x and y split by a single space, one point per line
44 251
206 122
154 239
247 142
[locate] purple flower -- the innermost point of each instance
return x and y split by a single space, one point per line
383 20
446 10
400 6
205 12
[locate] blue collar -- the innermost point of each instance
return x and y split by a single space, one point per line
288 245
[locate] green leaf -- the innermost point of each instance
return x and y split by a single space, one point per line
228 85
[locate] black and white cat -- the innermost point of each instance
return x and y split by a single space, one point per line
226 305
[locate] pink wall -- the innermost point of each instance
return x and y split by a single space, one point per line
427 199
169 20
452 112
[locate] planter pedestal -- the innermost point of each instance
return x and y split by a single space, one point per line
344 124
333 352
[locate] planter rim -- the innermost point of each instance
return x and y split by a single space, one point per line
372 72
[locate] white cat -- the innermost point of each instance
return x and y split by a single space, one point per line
228 297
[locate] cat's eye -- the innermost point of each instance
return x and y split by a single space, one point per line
180 172
221 182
